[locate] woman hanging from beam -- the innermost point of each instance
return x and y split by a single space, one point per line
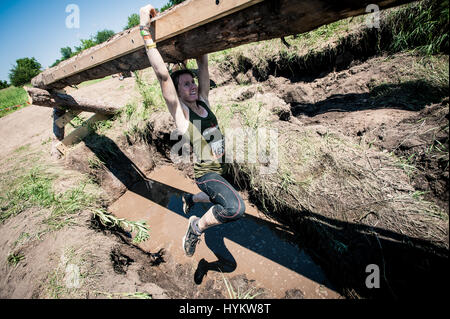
189 106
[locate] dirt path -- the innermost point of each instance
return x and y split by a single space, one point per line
30 125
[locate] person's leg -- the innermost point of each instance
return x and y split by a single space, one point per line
208 220
189 200
201 198
228 206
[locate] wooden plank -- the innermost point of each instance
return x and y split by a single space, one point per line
194 13
257 22
78 134
130 41
182 18
66 118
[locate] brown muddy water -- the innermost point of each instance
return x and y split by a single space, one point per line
259 248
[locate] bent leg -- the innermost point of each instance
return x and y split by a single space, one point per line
201 198
228 204
208 220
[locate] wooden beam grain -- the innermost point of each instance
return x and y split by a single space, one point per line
46 98
197 27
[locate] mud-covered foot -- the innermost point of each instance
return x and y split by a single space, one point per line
188 202
192 237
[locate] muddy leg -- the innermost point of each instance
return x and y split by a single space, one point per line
201 198
208 220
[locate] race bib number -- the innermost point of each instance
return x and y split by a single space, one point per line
217 148
216 142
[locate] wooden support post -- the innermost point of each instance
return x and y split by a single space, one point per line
79 133
66 118
58 131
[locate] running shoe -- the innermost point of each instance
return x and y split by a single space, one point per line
191 239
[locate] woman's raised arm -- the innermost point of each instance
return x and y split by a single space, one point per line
167 87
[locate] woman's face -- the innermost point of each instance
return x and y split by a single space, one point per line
187 88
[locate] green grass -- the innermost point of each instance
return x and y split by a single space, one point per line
34 188
137 111
422 26
15 258
140 228
10 97
151 93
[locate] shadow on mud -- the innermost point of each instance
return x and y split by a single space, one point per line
263 237
408 267
410 95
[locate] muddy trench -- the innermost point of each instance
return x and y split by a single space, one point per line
256 255
125 175
410 267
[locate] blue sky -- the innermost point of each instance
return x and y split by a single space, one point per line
30 28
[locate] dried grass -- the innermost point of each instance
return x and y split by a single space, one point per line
330 176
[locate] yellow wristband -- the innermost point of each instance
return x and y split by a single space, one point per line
150 46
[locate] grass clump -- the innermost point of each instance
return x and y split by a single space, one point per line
34 188
14 259
151 93
11 97
234 293
135 114
139 227
422 26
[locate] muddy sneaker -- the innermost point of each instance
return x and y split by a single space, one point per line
191 239
188 202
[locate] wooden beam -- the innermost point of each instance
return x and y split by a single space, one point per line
182 18
45 98
78 134
66 118
197 27
194 13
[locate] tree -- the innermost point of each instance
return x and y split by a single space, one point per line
3 85
103 36
133 20
55 63
170 4
85 44
24 70
66 53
